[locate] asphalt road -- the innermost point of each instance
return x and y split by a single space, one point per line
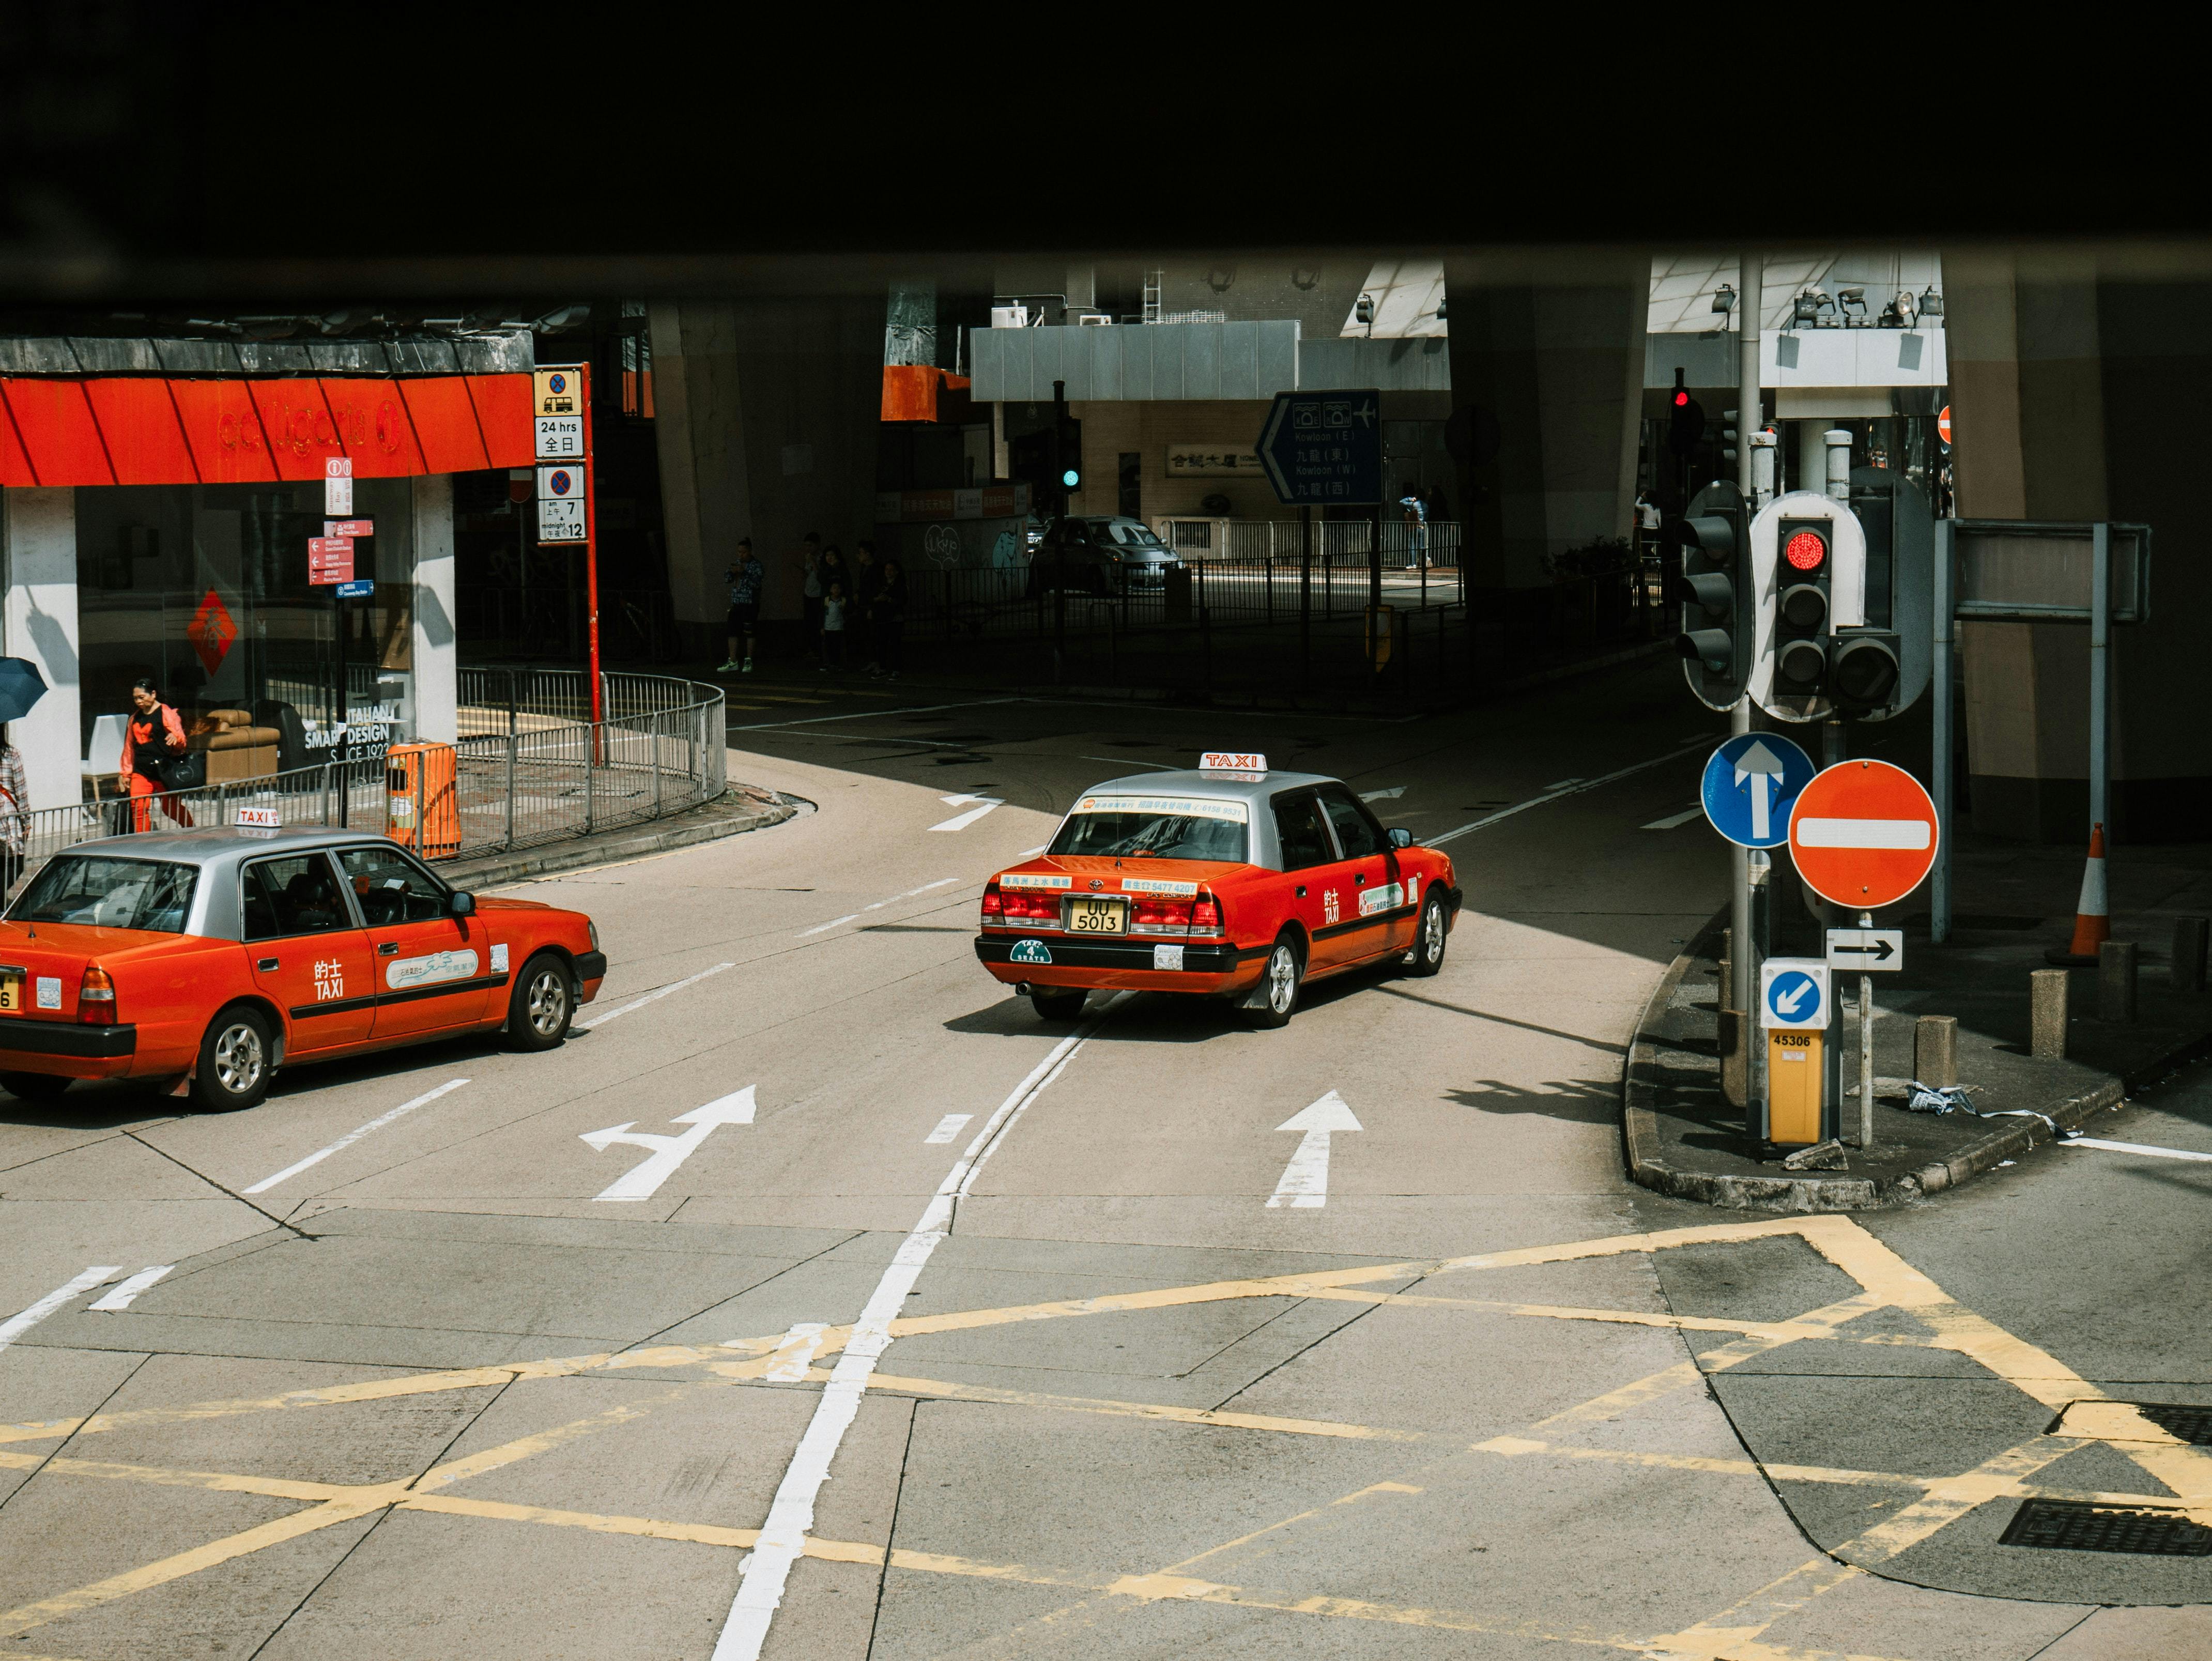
941 1332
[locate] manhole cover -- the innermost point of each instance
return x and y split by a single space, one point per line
2070 1525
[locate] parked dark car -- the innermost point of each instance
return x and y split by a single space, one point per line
1106 555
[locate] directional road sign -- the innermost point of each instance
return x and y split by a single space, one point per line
1751 784
1863 833
329 559
1325 448
1865 949
1793 992
359 588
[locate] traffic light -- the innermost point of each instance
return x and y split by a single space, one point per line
1728 439
1808 557
1068 455
1879 668
1804 578
1686 420
1715 590
1028 458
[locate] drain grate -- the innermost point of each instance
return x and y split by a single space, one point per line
2144 1530
2191 1424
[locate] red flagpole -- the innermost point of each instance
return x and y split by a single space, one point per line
590 548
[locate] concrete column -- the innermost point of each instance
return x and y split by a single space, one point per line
436 634
37 532
1560 364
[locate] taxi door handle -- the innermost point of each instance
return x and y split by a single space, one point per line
1359 878
266 964
1302 890
387 948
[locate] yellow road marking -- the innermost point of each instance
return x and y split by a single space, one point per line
940 1387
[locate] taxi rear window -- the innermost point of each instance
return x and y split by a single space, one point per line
109 893
1155 827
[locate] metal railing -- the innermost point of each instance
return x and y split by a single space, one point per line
529 768
1335 540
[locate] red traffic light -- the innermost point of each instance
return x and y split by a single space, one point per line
1805 550
1681 397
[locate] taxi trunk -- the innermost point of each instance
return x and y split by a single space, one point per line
43 1026
1093 921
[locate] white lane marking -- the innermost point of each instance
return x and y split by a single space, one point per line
823 928
867 714
17 1325
2134 1148
796 1353
353 1136
763 1571
1131 761
668 1151
1391 795
657 992
1305 1184
120 1299
878 905
961 821
1672 821
1862 833
947 1128
1575 788
927 886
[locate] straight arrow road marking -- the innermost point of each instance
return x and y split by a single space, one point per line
121 1298
353 1136
1305 1184
961 821
17 1325
1673 821
640 1182
2133 1147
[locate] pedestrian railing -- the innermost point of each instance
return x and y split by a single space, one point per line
529 766
1334 540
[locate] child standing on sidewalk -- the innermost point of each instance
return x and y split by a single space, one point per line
833 627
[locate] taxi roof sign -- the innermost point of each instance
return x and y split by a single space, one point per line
1231 761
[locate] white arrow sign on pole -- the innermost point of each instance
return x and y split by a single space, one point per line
1305 1184
668 1151
1764 768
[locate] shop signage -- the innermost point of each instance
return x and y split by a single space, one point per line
922 507
557 392
561 520
1213 461
211 631
329 559
560 438
338 484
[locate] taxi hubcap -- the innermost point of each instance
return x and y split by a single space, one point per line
1433 934
1282 978
238 1059
549 1002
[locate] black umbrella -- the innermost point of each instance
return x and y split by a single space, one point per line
22 685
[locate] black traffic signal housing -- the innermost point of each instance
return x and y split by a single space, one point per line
1728 439
1715 591
1028 458
1067 457
1864 666
1685 419
1804 571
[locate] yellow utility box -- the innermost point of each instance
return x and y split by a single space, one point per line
422 809
1794 1075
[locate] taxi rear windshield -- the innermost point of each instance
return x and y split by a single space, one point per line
109 893
1152 827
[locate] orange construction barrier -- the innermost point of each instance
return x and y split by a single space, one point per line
422 808
2093 912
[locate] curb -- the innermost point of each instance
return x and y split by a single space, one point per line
1640 1133
495 870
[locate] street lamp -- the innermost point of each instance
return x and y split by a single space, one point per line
1807 308
1851 298
1931 304
1363 312
1724 301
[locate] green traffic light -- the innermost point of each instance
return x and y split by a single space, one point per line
1071 478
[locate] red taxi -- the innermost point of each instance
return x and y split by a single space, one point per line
1228 881
210 959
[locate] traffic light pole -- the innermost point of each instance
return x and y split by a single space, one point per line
1746 865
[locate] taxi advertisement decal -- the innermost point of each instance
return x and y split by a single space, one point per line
1029 952
1156 886
1388 898
1197 807
439 966
1018 880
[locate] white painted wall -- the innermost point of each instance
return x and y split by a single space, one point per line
38 533
437 642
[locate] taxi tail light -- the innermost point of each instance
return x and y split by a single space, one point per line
994 904
1205 915
95 996
1031 905
1160 914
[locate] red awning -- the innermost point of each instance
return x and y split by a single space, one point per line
155 429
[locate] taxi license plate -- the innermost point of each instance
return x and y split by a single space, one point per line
11 991
1086 916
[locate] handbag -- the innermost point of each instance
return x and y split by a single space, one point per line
184 772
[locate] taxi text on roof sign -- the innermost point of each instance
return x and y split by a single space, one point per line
1231 761
259 818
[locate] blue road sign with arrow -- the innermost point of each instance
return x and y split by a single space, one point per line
1325 448
1751 783
1793 992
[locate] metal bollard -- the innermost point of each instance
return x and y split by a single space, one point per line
1935 1050
2115 980
2189 938
2046 1021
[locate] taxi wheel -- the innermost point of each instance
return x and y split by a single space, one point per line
542 1005
1277 994
1428 954
33 1087
235 1059
1059 1006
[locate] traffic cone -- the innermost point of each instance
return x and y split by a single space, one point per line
2093 913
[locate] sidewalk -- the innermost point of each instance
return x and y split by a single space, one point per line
740 808
2013 900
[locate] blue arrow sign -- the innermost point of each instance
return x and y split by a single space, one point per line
1325 448
1751 784
1794 998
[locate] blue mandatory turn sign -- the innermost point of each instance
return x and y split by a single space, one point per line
1751 784
1325 448
1793 992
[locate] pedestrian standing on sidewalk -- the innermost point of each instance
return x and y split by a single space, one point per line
860 621
1416 515
14 792
831 568
154 740
887 617
833 627
744 576
809 586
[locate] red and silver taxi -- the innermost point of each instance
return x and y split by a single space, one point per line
212 958
1229 880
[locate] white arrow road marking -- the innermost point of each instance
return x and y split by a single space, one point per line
947 1128
1305 1179
353 1136
1673 820
668 1151
657 992
121 1297
796 1353
961 821
2133 1147
17 1325
1785 1003
1391 795
1862 833
1764 771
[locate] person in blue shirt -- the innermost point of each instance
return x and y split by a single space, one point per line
744 576
1417 528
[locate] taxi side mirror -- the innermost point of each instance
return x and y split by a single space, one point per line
462 905
1400 837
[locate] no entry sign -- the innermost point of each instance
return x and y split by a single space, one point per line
1863 833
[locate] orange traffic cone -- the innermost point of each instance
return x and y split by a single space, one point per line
2093 913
